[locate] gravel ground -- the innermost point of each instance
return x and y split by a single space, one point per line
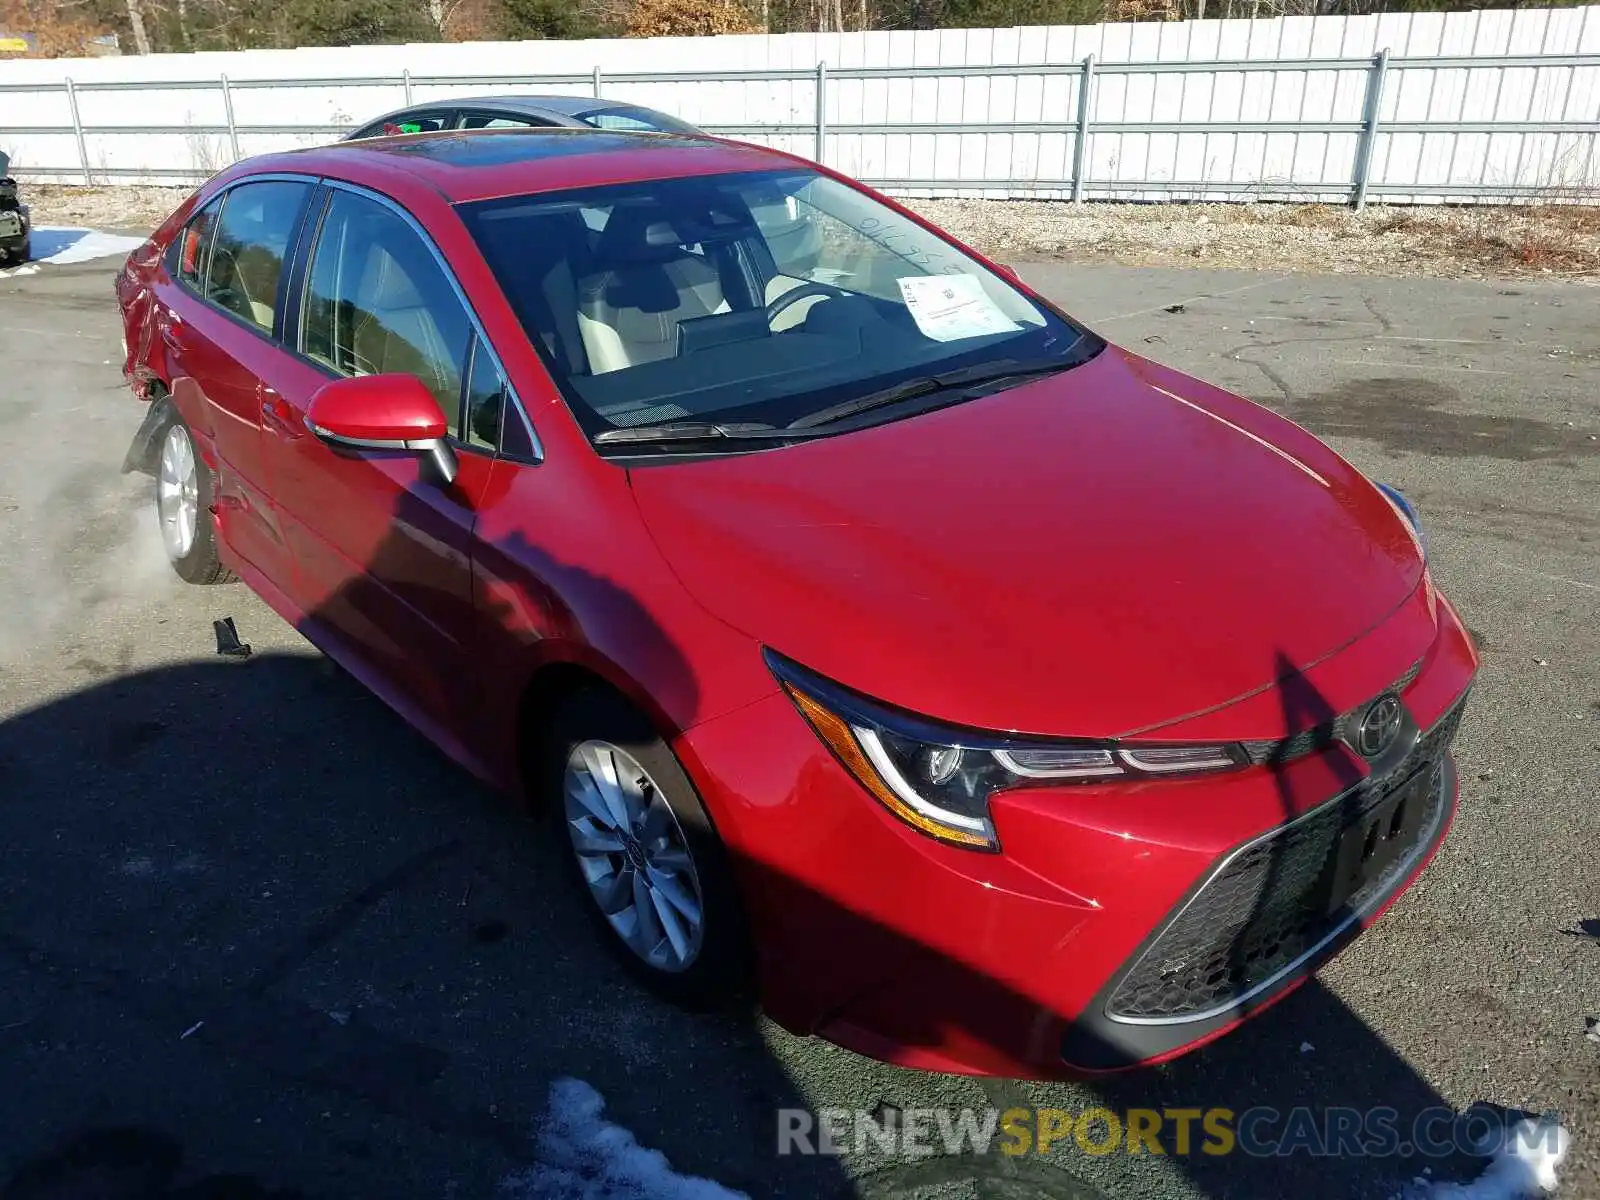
1451 243
1561 241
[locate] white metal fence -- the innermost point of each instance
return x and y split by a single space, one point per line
1415 107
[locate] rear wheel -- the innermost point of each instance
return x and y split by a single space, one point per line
654 872
183 509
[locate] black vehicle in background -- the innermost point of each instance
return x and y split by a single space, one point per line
522 112
15 231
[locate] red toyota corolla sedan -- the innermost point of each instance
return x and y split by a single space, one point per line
987 697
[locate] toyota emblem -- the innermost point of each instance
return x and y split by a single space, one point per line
1380 724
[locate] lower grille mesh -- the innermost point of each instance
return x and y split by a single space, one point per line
1260 912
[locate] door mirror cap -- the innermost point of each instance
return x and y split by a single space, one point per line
383 412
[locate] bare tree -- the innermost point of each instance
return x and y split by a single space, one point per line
141 39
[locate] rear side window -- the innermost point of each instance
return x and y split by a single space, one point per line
252 239
478 120
420 122
194 246
378 303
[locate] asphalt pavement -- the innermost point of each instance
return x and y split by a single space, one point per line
260 939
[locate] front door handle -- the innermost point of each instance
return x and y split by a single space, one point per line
278 415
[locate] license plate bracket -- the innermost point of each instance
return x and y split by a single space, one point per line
1375 840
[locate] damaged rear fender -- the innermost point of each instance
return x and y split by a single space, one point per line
146 444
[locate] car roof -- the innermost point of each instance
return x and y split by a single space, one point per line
522 104
479 164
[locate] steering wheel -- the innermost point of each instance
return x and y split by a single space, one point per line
795 295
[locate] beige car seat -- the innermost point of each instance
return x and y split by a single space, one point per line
647 282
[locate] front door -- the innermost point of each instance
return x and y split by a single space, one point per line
383 552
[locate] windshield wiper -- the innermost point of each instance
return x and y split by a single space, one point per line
693 431
925 384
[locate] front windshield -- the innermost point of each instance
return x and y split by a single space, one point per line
759 297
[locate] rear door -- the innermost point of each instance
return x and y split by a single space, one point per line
383 553
219 333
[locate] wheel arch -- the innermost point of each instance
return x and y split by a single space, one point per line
550 685
144 448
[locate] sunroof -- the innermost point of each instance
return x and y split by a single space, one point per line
485 148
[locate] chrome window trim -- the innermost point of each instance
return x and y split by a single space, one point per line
394 206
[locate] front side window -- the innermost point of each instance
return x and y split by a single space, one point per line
258 223
377 302
759 298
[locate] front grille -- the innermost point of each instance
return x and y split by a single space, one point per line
1282 750
1260 912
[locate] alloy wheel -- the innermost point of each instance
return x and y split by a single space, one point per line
632 853
178 494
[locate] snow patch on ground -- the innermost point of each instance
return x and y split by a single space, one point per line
1523 1169
63 245
582 1156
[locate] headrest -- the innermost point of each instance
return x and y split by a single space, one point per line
638 234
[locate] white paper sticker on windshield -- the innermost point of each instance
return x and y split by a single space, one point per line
948 308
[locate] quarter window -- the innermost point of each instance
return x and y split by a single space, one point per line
620 121
253 235
485 402
194 245
378 303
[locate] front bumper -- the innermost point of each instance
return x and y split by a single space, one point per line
1075 949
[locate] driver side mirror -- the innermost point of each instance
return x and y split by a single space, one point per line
383 412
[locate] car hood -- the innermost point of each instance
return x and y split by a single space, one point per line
1095 553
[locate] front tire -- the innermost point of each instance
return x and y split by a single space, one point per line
183 509
652 871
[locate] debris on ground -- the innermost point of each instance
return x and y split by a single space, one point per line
228 643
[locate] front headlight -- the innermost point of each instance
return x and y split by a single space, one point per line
939 778
1408 514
